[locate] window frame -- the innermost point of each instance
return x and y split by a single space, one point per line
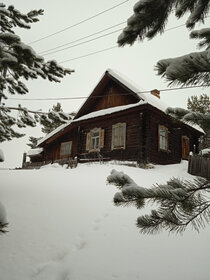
66 148
120 130
95 139
95 142
163 139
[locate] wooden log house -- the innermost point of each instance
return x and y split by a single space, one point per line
118 122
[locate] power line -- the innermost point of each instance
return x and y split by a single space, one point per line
98 32
175 27
100 96
89 54
78 23
43 52
99 37
103 50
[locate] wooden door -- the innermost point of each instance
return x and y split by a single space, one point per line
185 147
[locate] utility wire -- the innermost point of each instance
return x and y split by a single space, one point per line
103 50
98 32
90 40
89 54
78 23
100 96
44 53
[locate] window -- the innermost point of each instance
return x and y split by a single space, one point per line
66 148
118 136
94 145
95 139
163 138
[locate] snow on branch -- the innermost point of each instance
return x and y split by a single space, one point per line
19 62
179 203
3 219
190 69
150 18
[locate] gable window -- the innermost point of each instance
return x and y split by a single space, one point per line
118 136
163 138
95 139
66 148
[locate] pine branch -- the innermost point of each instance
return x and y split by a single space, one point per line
21 109
150 18
20 62
3 227
179 203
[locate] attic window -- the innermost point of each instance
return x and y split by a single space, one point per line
66 148
163 138
118 136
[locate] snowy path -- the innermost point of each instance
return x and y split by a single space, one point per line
64 226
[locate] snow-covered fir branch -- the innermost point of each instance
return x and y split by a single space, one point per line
3 219
178 203
150 18
26 117
19 62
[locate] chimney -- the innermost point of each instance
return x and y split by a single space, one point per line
156 93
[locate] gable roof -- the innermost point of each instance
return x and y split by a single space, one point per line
141 96
54 132
109 75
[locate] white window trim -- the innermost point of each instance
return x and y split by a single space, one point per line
117 126
90 137
95 130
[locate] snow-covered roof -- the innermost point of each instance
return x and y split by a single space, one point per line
107 111
144 98
205 151
147 97
124 80
58 129
34 152
195 126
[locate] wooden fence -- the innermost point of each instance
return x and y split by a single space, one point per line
71 163
199 166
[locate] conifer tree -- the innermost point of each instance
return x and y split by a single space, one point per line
198 113
199 104
179 204
56 117
51 121
33 142
150 18
19 62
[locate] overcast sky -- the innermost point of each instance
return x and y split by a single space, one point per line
136 62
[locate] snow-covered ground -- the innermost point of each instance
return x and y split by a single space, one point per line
64 226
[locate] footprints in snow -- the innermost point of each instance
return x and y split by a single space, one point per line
97 222
81 243
56 268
